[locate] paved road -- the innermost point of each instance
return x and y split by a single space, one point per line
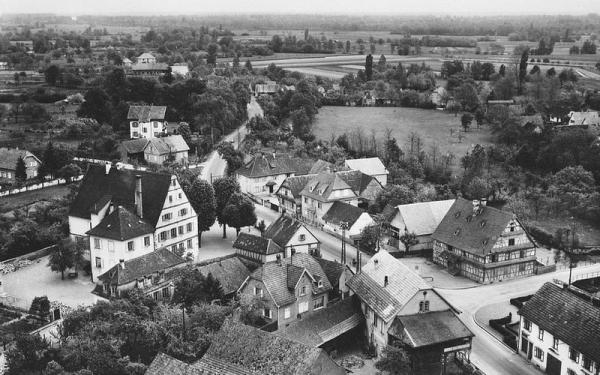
493 357
215 166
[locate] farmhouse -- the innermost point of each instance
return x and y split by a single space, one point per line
8 164
229 270
355 219
146 66
483 243
146 121
290 200
155 150
371 167
292 236
257 248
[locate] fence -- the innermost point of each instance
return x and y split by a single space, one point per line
127 166
41 185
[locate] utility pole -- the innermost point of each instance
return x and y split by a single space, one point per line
344 227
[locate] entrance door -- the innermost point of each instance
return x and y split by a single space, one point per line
524 344
530 351
553 366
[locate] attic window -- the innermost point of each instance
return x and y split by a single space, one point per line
457 232
482 224
457 215
320 283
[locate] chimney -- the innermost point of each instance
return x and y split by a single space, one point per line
138 196
107 167
376 263
475 205
483 202
122 263
385 281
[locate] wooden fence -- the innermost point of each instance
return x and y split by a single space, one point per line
38 186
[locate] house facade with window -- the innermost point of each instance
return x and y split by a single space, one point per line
155 150
257 248
482 243
146 121
290 200
8 164
401 309
560 331
289 288
150 273
292 236
354 217
141 204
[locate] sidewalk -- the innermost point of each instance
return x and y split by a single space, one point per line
437 276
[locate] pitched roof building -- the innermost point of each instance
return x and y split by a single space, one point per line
483 243
560 331
355 217
370 166
292 236
8 163
146 121
257 248
230 271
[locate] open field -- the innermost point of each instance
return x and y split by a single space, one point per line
23 199
433 126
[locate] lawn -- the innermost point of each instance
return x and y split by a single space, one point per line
24 199
432 125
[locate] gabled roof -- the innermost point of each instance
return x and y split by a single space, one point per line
566 316
321 166
314 269
256 244
150 66
121 225
145 265
295 184
386 301
474 231
431 328
135 146
170 144
263 165
146 113
333 270
146 55
165 364
215 366
264 353
294 273
584 118
359 182
230 271
343 212
324 184
421 218
282 230
120 185
10 156
370 166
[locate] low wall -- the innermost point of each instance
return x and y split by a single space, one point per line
41 185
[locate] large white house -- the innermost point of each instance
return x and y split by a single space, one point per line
146 121
124 214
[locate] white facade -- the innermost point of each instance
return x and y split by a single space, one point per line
303 241
106 253
258 185
150 129
536 345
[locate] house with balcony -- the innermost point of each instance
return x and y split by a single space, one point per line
292 236
483 243
402 310
122 214
560 331
146 121
289 287
8 164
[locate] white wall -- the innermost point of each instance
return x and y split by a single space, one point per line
110 252
310 242
363 221
146 129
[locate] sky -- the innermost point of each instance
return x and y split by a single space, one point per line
78 7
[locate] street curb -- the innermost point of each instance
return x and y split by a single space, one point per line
488 331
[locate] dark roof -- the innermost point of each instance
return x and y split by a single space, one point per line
322 185
10 156
150 66
321 166
145 265
294 273
333 270
230 271
120 185
325 324
256 244
567 316
146 113
283 229
215 366
135 146
389 212
260 352
165 364
263 165
121 225
474 231
358 181
295 184
166 145
428 329
340 211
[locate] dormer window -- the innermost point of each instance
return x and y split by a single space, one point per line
457 232
320 283
135 124
482 224
457 215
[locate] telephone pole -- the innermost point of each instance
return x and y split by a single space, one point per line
344 227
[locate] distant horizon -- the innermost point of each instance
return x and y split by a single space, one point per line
306 7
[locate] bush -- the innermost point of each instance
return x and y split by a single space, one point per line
541 235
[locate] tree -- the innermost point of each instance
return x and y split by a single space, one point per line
69 172
51 74
21 170
261 227
202 198
49 162
192 288
29 354
502 70
369 67
211 58
395 195
395 361
523 69
184 130
478 188
66 255
239 212
409 239
96 106
466 119
224 188
369 238
248 66
233 157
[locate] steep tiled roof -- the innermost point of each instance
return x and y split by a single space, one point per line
158 260
120 185
166 145
10 156
333 270
403 284
584 118
436 327
294 273
324 184
150 66
230 271
165 364
121 225
313 267
370 166
134 146
340 211
215 366
260 352
263 165
566 316
283 229
146 55
321 166
325 324
146 113
472 231
422 218
358 182
256 244
295 184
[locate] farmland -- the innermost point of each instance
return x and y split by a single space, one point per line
434 127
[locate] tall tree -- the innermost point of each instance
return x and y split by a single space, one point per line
466 119
523 69
211 57
96 106
239 212
20 170
202 198
369 67
66 255
409 239
51 74
224 188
